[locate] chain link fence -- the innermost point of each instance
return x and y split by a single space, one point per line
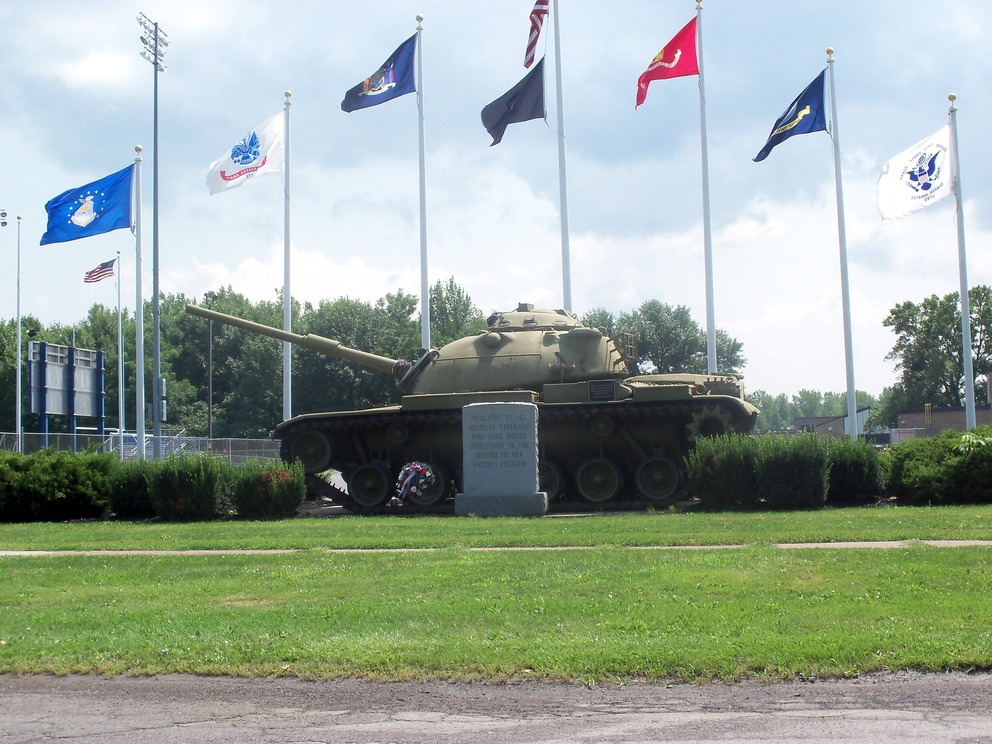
235 451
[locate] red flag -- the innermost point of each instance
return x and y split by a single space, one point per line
536 21
677 59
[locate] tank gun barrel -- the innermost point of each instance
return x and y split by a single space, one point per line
320 344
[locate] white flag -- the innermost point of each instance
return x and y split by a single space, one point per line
917 177
261 151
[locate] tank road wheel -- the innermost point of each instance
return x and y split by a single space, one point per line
709 421
370 485
658 479
437 492
551 479
598 480
313 449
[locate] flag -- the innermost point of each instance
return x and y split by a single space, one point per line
537 16
805 114
523 102
261 151
917 177
100 272
92 209
676 59
393 79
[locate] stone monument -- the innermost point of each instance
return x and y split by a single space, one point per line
499 445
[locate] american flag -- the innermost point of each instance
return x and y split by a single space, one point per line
100 272
536 21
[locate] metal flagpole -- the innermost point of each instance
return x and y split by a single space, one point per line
139 317
566 261
707 232
425 305
287 299
17 399
966 351
120 363
851 429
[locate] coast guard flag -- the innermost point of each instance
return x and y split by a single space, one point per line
523 102
100 272
805 114
92 209
917 177
676 59
393 79
261 151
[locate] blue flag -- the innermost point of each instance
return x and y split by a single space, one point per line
92 209
804 115
393 79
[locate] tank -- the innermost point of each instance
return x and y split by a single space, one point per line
607 438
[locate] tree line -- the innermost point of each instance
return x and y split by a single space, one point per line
247 369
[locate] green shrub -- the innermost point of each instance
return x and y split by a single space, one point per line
129 495
54 486
918 469
722 473
855 471
189 487
792 471
268 491
968 471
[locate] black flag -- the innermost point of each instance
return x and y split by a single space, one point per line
523 102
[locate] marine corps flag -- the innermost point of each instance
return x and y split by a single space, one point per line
523 102
805 114
676 59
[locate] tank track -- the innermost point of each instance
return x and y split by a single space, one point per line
623 416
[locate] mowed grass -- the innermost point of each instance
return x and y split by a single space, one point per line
613 611
650 529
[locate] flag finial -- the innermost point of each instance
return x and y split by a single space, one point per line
288 94
952 97
830 51
137 149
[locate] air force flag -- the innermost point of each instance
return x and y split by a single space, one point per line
92 209
917 177
804 115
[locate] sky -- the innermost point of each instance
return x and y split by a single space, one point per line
77 97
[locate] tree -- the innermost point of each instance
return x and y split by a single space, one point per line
453 315
670 338
927 351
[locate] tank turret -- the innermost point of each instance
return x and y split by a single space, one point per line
605 437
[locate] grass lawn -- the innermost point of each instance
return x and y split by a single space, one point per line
610 612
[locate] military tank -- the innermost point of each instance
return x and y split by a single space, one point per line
606 438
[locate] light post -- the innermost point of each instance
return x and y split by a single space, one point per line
155 42
17 374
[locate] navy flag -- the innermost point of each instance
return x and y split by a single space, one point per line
92 209
393 79
805 114
523 102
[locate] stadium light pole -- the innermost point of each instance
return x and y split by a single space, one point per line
155 42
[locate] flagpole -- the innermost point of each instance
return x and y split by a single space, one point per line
425 305
852 429
566 267
966 350
120 363
17 397
139 317
287 299
707 231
